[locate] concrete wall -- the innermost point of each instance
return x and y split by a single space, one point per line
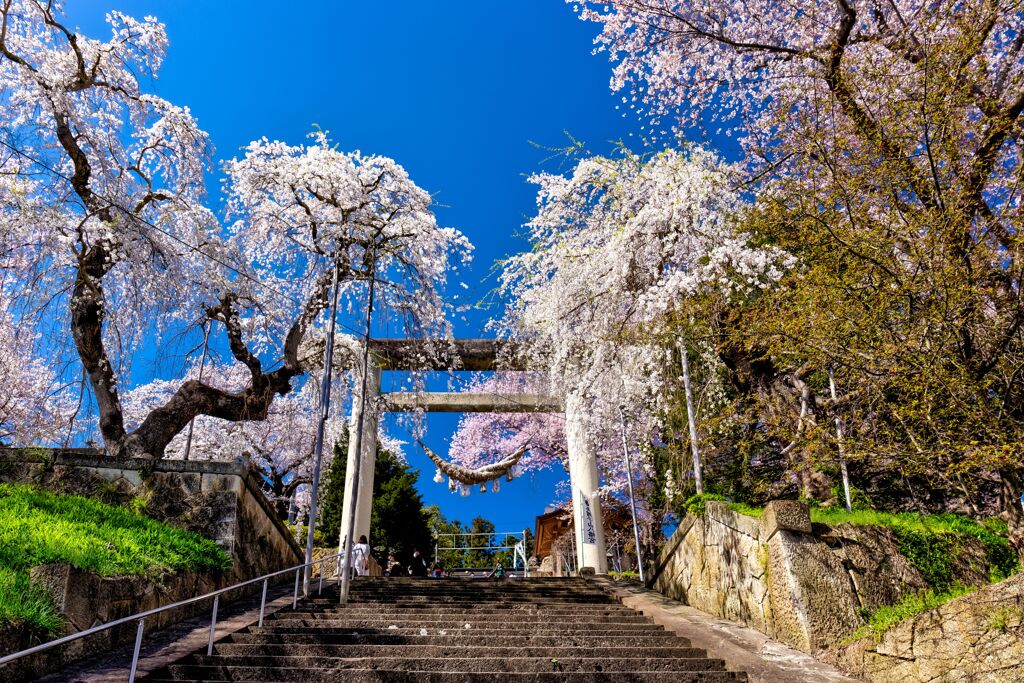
773 574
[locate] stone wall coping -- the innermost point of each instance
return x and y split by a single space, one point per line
720 512
249 481
785 515
96 457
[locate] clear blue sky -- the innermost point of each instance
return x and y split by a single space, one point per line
453 90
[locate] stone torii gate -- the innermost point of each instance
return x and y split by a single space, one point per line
473 355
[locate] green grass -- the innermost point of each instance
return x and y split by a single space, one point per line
885 618
21 602
745 509
926 523
695 505
38 527
931 541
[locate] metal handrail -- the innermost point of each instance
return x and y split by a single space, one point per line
517 548
141 616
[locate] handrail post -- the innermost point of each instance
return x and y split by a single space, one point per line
629 479
135 652
213 625
320 590
295 598
263 601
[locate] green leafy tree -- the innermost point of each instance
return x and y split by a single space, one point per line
478 556
332 490
470 551
884 146
398 521
450 550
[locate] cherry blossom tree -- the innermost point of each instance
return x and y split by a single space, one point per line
483 438
884 141
113 236
280 446
34 405
619 247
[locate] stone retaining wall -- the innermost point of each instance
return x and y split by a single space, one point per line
978 638
86 599
219 500
804 586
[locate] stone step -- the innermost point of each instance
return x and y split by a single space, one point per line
450 603
493 629
551 639
483 587
517 583
426 590
248 673
442 589
469 664
469 605
323 618
332 590
398 630
377 676
434 584
368 583
469 599
442 650
566 611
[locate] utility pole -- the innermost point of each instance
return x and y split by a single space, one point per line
350 523
839 442
698 478
202 366
632 501
318 448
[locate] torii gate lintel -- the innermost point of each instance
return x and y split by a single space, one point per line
469 402
448 354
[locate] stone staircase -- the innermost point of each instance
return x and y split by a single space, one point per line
446 630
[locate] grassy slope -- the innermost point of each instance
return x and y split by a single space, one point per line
38 527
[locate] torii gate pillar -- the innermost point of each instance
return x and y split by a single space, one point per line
368 461
586 501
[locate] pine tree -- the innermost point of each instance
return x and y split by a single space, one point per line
398 521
